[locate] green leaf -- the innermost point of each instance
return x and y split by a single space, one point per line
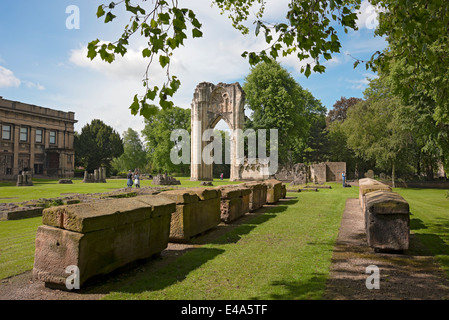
307 72
109 17
164 18
100 11
196 33
135 106
92 49
146 53
163 61
147 110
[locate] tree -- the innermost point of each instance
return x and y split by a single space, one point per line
340 109
277 101
308 31
157 133
134 155
97 144
374 131
417 33
316 146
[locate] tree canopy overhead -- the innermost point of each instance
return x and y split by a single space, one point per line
308 31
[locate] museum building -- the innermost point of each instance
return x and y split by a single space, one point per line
35 139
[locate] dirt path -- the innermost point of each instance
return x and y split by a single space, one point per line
409 276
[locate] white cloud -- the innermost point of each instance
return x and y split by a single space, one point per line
8 79
33 85
361 84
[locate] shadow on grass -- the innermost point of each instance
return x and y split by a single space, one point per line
157 274
152 274
298 290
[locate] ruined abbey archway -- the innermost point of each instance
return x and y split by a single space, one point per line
212 103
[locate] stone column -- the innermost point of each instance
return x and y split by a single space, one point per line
32 148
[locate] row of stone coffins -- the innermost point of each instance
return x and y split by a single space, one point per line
96 238
387 216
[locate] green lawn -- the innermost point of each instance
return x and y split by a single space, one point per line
283 254
430 220
41 188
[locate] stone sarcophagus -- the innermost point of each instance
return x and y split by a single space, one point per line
274 190
368 185
387 221
258 195
100 237
234 202
197 211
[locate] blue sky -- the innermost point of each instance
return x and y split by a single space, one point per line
43 62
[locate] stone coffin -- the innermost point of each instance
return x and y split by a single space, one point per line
258 195
197 211
234 202
283 191
274 191
100 237
368 186
387 221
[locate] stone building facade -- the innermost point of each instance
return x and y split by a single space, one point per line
35 139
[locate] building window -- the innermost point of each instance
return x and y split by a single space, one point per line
24 134
38 135
6 132
52 137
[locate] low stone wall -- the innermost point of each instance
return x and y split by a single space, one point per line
274 191
100 237
258 195
17 213
387 221
197 211
234 202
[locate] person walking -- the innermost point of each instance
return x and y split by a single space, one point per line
130 179
137 178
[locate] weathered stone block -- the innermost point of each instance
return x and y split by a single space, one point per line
387 221
274 190
234 202
100 237
258 195
197 211
368 186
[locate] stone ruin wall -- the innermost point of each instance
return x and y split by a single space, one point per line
301 173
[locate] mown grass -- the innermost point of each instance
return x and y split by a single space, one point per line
17 246
430 220
42 188
283 254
